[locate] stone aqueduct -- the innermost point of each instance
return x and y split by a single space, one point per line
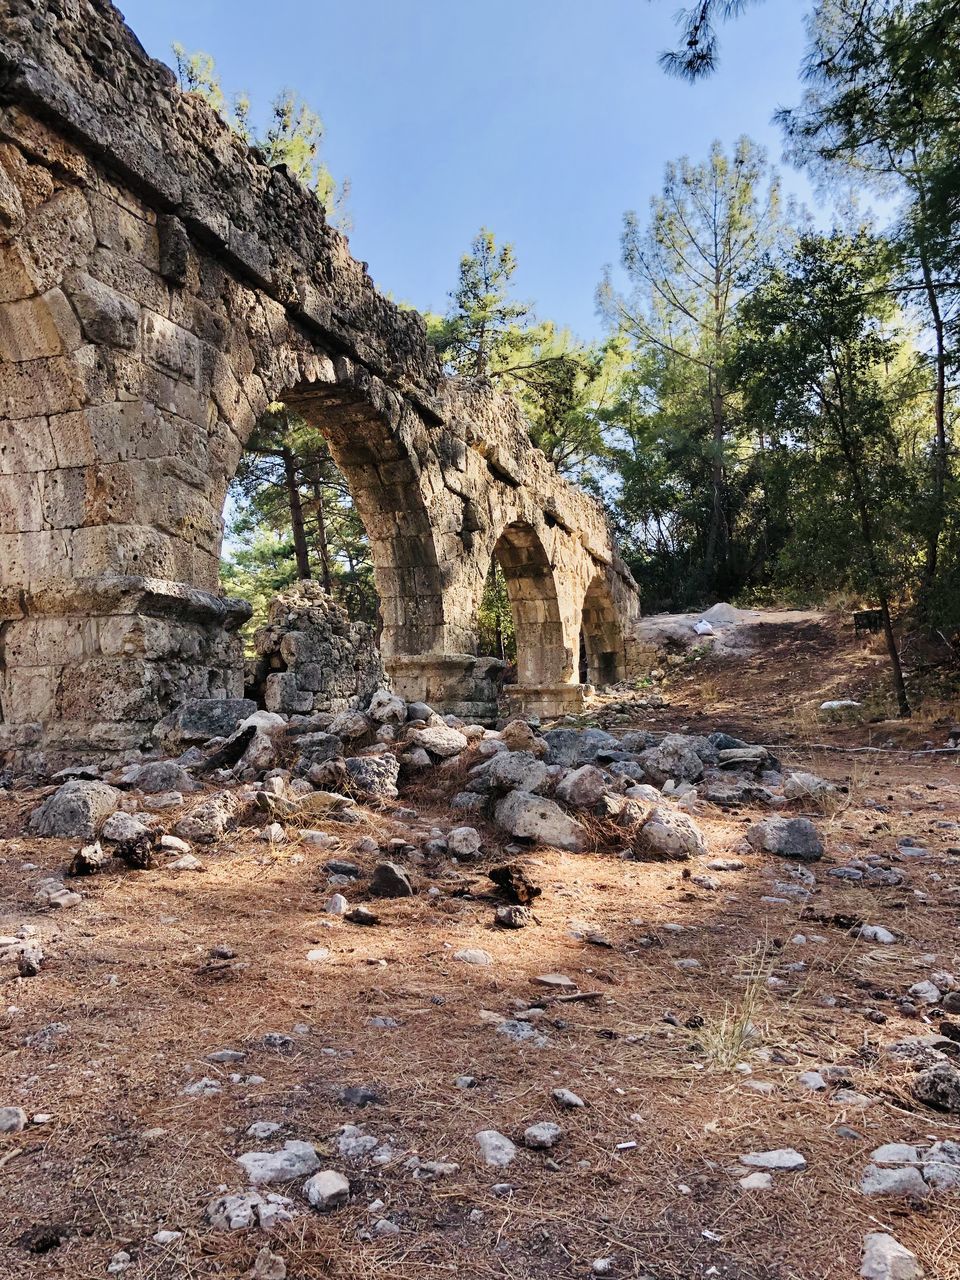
159 286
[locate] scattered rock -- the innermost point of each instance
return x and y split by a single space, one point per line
876 933
474 955
543 1135
211 820
53 893
807 786
907 1181
374 775
200 719
268 1266
795 838
439 740
582 788
362 915
784 1158
567 1098
12 1119
671 834
516 771
89 860
556 980
327 1190
497 1150
522 1033
390 881
78 808
464 843
294 1160
939 1087
512 917
517 735
530 817
387 708
673 758
884 1258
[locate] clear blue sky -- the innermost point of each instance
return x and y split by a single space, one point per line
542 119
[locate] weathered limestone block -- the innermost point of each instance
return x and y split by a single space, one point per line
99 662
105 315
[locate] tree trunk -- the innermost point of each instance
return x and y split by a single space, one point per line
940 446
899 688
322 539
296 513
716 540
866 530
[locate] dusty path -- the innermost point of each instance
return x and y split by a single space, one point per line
684 1067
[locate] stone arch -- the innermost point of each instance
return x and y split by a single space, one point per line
602 635
542 656
363 427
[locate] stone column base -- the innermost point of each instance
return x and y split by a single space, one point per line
544 700
88 666
459 684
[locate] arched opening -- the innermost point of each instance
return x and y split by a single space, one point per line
348 497
328 538
602 658
290 517
527 577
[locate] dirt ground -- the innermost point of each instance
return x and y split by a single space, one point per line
665 1055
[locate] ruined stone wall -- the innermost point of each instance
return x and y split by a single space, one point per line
159 286
311 657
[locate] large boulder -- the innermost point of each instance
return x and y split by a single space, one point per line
596 744
795 838
885 1258
439 739
159 776
199 720
212 819
939 1087
570 747
374 775
674 757
582 788
390 880
78 808
515 771
530 817
387 708
671 834
316 748
351 726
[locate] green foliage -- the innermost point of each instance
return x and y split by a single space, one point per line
882 109
293 136
688 488
289 491
560 384
482 331
824 365
497 636
698 52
